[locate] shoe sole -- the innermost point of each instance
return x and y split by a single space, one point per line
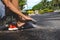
13 29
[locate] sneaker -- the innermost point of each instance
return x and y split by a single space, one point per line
12 27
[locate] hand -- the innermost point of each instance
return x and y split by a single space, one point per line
27 18
31 19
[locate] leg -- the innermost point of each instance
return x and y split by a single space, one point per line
14 9
15 3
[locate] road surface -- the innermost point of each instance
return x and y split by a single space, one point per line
48 29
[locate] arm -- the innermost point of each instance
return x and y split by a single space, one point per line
15 3
13 8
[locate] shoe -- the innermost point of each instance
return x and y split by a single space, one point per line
12 27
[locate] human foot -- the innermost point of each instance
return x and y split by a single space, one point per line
20 24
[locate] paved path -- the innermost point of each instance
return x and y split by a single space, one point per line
48 20
49 29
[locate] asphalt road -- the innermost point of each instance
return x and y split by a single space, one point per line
50 20
48 29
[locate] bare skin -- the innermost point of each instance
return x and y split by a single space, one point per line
15 8
15 3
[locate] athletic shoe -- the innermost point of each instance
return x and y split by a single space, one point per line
12 27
